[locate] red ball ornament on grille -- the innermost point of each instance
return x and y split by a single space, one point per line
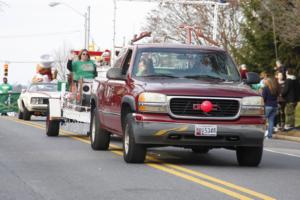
206 106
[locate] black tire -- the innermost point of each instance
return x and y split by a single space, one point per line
26 114
52 127
20 115
132 152
99 137
200 150
249 156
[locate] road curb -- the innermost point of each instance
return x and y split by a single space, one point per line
285 137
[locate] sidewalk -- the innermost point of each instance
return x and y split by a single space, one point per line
293 135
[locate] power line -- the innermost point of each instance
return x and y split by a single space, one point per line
38 34
20 61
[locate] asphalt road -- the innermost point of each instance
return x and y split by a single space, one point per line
36 167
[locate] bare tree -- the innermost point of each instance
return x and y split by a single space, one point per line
164 22
287 20
2 4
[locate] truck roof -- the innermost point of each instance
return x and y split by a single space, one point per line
177 46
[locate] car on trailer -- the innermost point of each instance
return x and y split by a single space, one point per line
34 100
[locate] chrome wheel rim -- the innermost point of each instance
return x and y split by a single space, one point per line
126 140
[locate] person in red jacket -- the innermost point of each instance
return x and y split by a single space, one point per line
243 71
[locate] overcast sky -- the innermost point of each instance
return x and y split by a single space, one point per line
31 28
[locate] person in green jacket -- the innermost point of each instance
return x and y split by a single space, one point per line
84 67
5 87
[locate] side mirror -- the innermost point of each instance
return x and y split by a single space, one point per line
252 78
115 73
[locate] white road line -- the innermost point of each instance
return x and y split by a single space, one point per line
288 154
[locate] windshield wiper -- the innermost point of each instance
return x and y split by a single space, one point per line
161 75
205 77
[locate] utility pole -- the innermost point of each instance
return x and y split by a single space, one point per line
274 29
88 28
114 32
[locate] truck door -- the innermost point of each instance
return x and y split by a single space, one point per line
115 90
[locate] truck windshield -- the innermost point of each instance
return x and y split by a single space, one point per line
185 63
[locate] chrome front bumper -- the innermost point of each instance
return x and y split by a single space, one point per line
181 134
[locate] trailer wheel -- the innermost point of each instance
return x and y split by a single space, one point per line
99 137
132 152
52 127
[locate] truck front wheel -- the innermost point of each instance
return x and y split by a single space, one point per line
99 137
249 156
132 152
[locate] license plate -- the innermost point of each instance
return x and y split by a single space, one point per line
205 130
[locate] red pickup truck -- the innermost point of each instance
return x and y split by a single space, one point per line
178 95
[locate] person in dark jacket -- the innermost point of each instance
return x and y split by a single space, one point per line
281 103
270 94
280 68
289 93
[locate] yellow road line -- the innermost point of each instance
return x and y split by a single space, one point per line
212 179
199 181
175 170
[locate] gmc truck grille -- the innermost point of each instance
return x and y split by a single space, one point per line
222 108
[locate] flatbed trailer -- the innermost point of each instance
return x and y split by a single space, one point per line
69 107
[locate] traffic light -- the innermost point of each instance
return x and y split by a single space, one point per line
5 69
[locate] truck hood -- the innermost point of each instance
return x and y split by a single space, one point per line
190 87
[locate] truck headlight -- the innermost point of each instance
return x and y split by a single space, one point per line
252 106
152 102
36 100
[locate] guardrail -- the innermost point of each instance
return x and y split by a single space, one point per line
8 102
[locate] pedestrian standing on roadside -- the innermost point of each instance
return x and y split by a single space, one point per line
263 76
280 68
5 88
289 93
243 71
270 94
280 122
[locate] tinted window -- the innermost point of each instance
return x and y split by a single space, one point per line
185 63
